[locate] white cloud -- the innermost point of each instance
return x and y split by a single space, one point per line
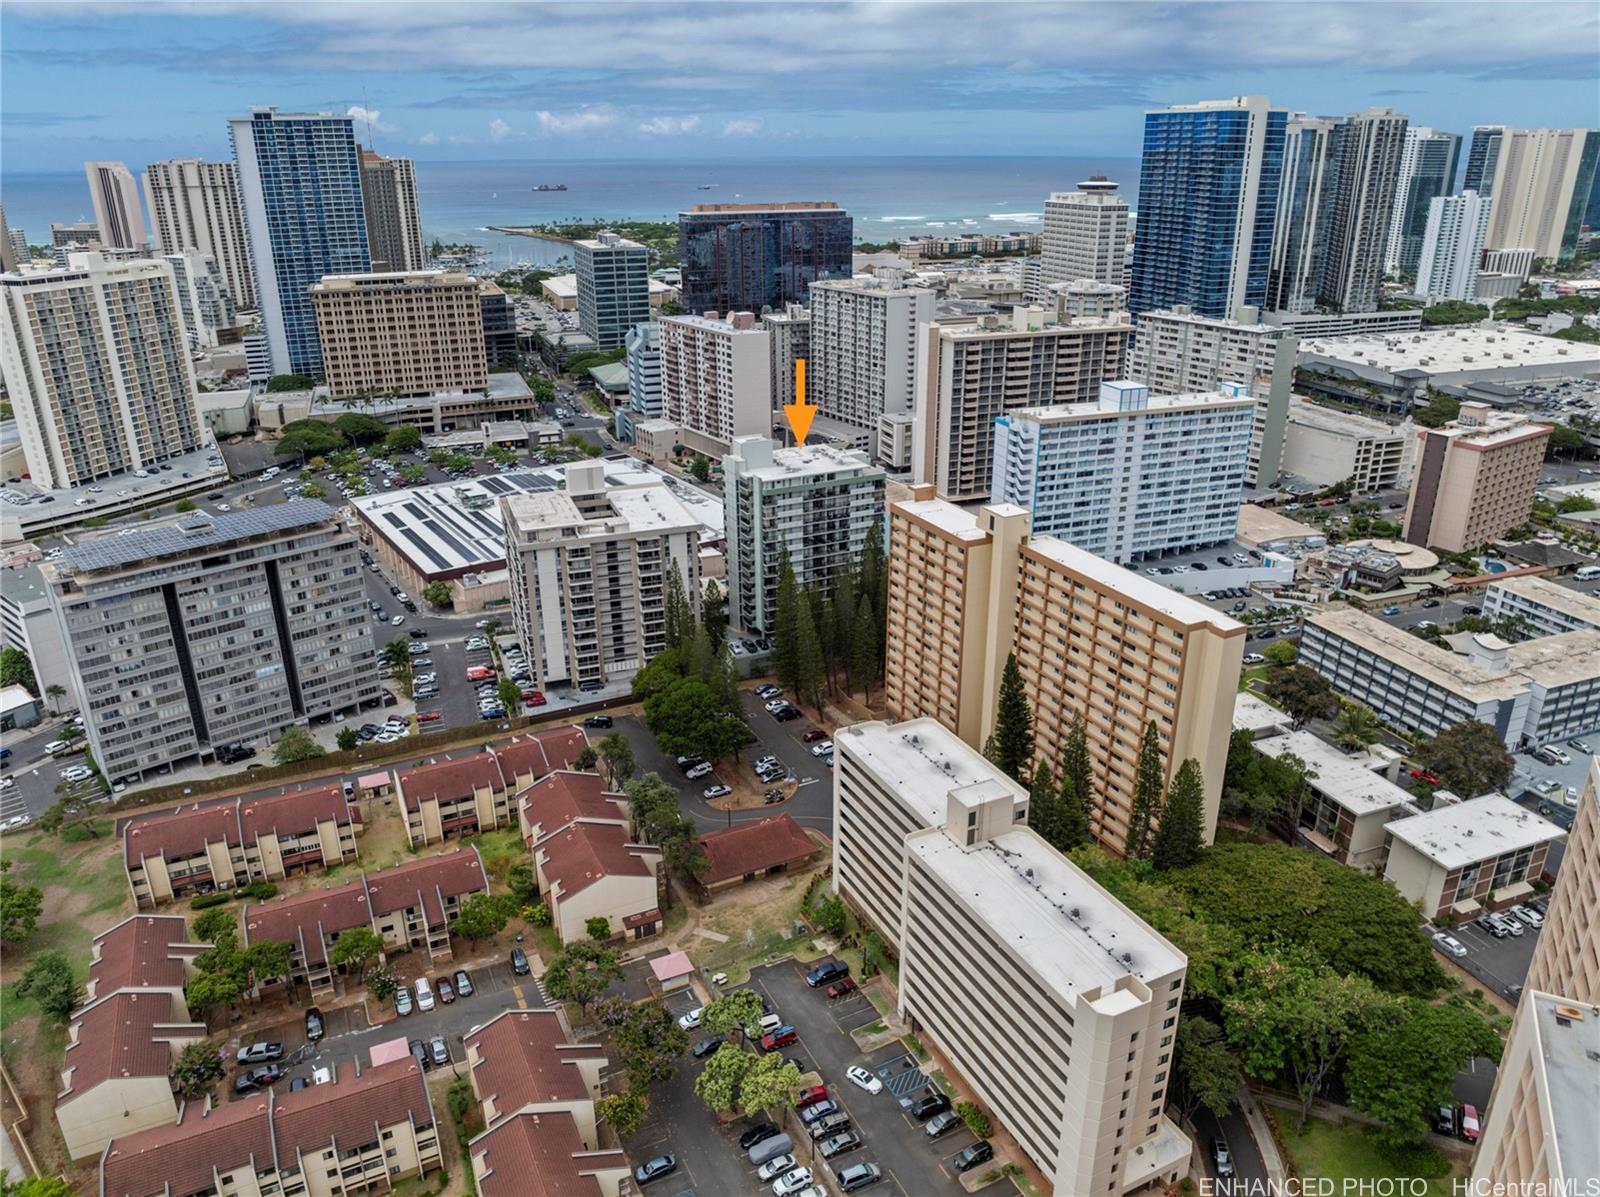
742 127
499 130
428 139
583 120
669 126
368 116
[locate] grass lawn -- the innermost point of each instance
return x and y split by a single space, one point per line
500 850
1348 1152
758 920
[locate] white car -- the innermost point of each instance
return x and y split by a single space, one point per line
7 782
56 746
862 1079
703 769
14 822
791 1182
822 749
397 621
691 1020
774 1168
716 791
223 507
1254 659
1449 944
76 773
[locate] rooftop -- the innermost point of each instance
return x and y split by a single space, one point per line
1107 406
181 1157
582 853
125 1035
1260 525
759 457
144 951
1344 423
1448 351
527 1056
1254 714
1569 1045
957 523
1566 600
563 797
180 832
1345 779
309 920
922 761
450 780
754 846
538 753
783 206
349 1110
1047 913
425 883
1136 589
1465 833
192 534
540 1155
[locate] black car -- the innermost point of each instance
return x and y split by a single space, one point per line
417 633
927 1107
942 1124
784 714
519 962
655 1168
838 1144
315 1027
826 974
1430 602
762 1130
463 983
970 1157
419 1051
706 1046
257 1078
598 721
299 1083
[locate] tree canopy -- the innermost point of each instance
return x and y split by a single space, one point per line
1146 792
1469 759
19 908
295 744
1010 747
1303 693
361 428
306 438
49 981
1180 838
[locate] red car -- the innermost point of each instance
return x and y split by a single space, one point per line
427 716
534 698
810 1097
1468 1121
812 736
839 988
1424 775
480 673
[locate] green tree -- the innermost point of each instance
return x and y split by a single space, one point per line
35 1186
17 670
356 949
1357 726
740 1010
866 661
48 980
812 682
19 908
770 1081
269 960
624 1111
218 925
1147 789
197 1066
313 490
1208 1072
1012 741
437 594
687 718
55 692
587 760
522 882
685 856
616 754
361 428
1303 693
1454 311
405 439
289 382
975 1119
1400 1068
651 1041
1469 758
598 928
1282 652
720 1079
510 696
207 991
785 627
295 744
1293 1018
831 915
305 438
714 613
581 973
700 468
482 916
347 739
183 506
1181 835
1044 804
677 615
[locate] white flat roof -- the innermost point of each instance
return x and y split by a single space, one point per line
1557 597
788 463
1343 423
1567 1055
1344 779
1138 589
953 521
1255 714
1452 350
1478 829
921 761
1048 912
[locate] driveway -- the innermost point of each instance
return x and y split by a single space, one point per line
1249 1174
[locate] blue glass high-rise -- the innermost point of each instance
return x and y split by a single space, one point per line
750 257
1208 196
300 189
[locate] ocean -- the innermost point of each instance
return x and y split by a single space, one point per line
889 198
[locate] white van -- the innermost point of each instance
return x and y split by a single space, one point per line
424 994
1588 573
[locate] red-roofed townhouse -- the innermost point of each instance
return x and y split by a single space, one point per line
585 860
754 849
311 924
291 833
416 903
527 758
538 1090
453 798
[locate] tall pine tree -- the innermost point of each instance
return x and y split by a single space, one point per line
811 682
865 662
1072 816
1146 793
1042 815
786 627
678 617
1178 838
1012 742
1076 770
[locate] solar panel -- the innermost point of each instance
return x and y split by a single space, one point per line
195 532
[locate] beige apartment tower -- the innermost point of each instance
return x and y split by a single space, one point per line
1473 480
195 205
1566 959
116 205
1090 638
1085 235
402 335
389 204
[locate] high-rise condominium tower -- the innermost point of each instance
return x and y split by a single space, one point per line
1427 168
1208 196
389 199
1085 235
116 204
97 365
1544 190
747 257
195 205
410 334
1483 158
716 379
863 360
613 287
300 189
1453 245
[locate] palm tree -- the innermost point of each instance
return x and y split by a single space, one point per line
1357 726
55 693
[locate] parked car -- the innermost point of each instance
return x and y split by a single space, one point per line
402 1001
1444 1120
1254 659
840 988
1449 944
827 973
463 983
257 1078
1529 916
791 1182
775 1167
655 1168
942 1124
859 1176
786 713
758 1132
258 1053
838 1144
519 962
772 796
768 691
1468 1122
927 1107
316 1028
818 1110
717 791
830 1125
971 1156
691 1020
810 1096
813 735
598 721
419 1053
862 1079
782 1037
443 988
696 772
1484 923
706 1046
438 1050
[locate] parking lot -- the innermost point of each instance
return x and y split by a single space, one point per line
710 1160
1500 964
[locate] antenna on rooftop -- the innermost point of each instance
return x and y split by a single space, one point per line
366 111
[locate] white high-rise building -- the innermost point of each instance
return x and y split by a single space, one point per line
1453 245
1427 168
814 503
1132 475
716 379
643 347
1179 352
195 205
209 315
791 342
97 365
1085 235
1542 186
116 205
863 362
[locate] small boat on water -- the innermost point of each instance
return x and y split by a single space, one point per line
551 187
705 187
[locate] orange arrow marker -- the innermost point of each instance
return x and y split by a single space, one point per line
799 413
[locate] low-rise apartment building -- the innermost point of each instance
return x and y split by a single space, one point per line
237 841
1459 859
363 1129
213 630
589 571
1534 692
1474 479
1081 997
814 503
1350 801
1548 607
1131 475
122 1043
716 379
754 849
1325 446
405 334
473 794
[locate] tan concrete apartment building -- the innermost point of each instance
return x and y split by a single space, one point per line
1079 997
1324 446
716 379
969 372
1457 861
1473 480
1566 958
195 205
389 204
405 334
1090 637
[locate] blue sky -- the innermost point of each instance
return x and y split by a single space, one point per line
143 81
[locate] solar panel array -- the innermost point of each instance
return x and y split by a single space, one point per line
193 532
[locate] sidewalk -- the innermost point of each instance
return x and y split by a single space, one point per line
1261 1132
